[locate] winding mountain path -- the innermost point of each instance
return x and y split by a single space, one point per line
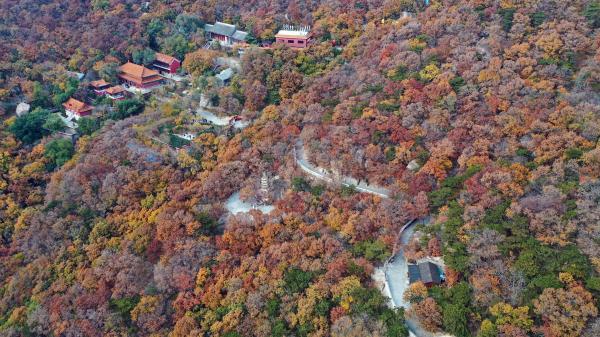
396 268
322 174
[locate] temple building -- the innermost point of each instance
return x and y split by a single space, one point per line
140 77
115 93
76 109
225 33
166 64
99 86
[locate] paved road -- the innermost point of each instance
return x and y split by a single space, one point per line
323 174
396 271
396 278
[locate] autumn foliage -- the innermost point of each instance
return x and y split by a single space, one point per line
479 117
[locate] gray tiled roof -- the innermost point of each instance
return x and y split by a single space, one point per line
240 35
425 272
220 28
225 74
429 273
413 273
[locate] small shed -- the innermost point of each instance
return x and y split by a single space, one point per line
225 76
426 272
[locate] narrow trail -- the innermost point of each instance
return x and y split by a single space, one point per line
322 174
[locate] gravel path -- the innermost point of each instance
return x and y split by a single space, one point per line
235 205
220 121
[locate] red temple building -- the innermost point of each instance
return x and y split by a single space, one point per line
99 86
138 76
77 109
115 93
166 64
295 38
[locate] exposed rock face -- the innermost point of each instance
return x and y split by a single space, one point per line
413 165
22 109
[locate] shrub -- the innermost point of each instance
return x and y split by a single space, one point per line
127 108
54 123
348 190
296 279
592 13
59 151
574 153
371 250
29 128
123 306
178 142
300 184
537 18
507 15
456 83
87 125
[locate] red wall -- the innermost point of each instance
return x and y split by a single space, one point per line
296 42
174 66
150 85
146 85
218 37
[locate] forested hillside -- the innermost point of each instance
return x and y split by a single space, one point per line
481 118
